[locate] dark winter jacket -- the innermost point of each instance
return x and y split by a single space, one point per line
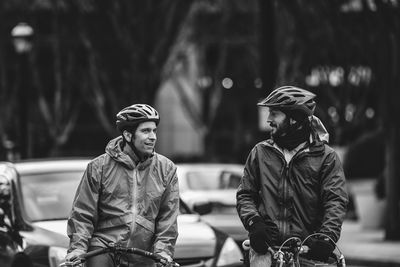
307 195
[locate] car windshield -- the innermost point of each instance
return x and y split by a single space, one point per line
212 180
49 196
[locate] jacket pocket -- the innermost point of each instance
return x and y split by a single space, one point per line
114 229
143 236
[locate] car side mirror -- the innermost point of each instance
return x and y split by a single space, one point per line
203 208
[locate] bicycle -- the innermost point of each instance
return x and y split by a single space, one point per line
119 251
289 255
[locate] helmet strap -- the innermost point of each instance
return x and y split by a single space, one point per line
137 155
128 138
136 152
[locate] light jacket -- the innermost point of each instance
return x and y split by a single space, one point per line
304 196
135 205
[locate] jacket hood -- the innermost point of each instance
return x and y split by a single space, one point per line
114 150
318 127
318 132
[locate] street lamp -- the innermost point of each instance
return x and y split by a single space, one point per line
22 34
22 40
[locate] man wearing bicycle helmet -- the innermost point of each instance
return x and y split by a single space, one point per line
293 183
128 195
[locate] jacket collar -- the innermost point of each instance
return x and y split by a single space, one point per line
314 145
126 155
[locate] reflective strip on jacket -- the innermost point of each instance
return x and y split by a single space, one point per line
133 205
307 195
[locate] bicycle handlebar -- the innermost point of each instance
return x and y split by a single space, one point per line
278 252
115 248
93 253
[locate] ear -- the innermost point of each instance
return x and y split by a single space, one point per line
127 135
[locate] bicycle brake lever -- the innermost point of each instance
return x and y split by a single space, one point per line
342 261
166 263
112 245
304 249
65 264
72 263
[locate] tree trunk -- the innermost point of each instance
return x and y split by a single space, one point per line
392 144
392 183
267 45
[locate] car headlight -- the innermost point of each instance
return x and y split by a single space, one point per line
230 253
56 256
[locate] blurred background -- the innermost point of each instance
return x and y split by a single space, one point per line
67 67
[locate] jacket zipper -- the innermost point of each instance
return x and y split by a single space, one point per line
285 187
284 175
134 207
285 196
288 166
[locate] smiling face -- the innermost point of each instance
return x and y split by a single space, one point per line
278 121
145 138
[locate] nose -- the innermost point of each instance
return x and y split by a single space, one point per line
270 118
153 135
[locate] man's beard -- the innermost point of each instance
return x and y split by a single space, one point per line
282 129
289 135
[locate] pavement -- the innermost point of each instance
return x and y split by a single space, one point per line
367 246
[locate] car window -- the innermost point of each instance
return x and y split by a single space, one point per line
49 196
220 208
212 180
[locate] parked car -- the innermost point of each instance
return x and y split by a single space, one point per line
43 194
11 253
210 190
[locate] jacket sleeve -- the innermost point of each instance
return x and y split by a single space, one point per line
166 229
83 216
334 196
247 192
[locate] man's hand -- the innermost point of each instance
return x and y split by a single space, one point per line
320 249
73 255
168 258
165 256
262 234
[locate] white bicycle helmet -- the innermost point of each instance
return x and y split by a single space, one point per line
290 98
133 115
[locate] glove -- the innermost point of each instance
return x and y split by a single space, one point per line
320 249
262 234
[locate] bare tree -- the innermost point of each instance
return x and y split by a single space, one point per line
211 33
125 66
105 54
60 110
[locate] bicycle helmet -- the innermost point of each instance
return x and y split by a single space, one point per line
133 115
290 98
